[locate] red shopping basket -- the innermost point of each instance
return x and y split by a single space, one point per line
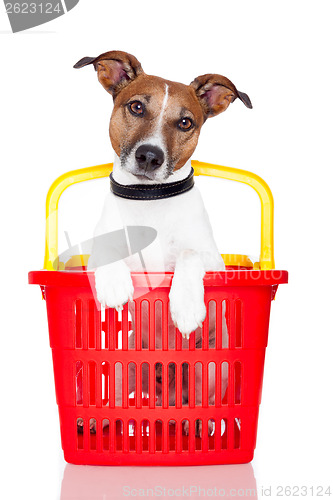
101 421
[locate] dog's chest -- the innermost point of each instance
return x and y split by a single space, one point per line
170 217
180 221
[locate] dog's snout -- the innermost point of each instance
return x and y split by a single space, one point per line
149 157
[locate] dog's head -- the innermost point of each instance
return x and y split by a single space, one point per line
155 123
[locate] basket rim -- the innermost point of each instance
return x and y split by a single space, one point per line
232 277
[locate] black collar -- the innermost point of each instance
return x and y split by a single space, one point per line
152 191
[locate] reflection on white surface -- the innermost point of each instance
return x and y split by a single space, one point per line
105 483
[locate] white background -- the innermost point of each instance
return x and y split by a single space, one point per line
55 118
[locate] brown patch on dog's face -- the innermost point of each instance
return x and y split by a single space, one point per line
126 128
156 112
181 135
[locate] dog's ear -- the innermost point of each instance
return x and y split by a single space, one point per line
216 92
115 69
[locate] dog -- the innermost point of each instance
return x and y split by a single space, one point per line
154 130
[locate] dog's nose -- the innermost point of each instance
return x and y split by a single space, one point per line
149 157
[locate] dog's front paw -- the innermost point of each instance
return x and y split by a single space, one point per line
114 286
187 309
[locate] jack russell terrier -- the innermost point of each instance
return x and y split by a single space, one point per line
154 129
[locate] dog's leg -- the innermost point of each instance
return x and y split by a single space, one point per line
113 280
187 305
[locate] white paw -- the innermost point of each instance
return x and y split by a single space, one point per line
187 308
114 285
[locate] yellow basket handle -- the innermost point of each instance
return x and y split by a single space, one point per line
200 168
266 260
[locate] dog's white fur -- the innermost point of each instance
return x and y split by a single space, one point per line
184 244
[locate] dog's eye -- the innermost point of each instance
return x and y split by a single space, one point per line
136 108
185 124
